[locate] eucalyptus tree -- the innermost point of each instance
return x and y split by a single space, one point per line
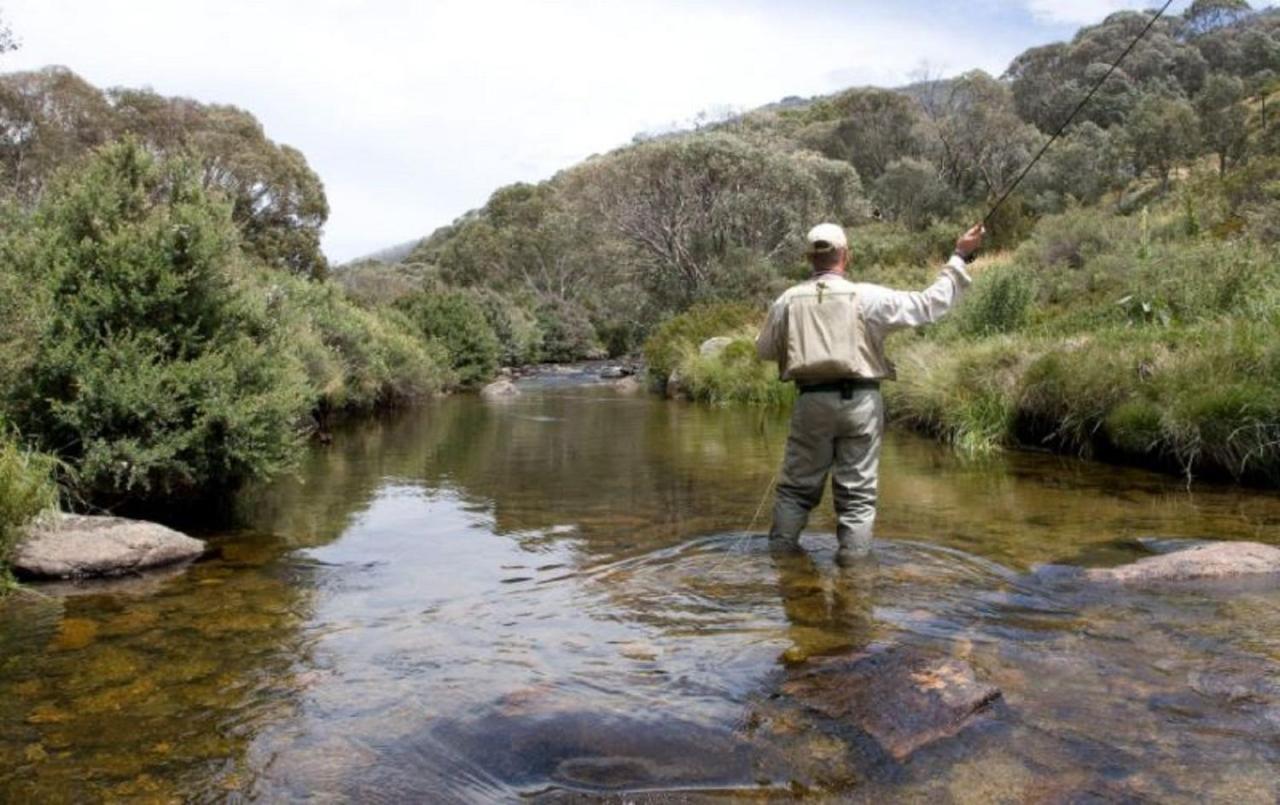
688 204
1049 81
50 118
868 128
1204 16
912 191
1161 132
979 141
1224 121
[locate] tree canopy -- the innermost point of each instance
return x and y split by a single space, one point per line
50 118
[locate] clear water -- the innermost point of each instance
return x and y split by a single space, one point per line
564 596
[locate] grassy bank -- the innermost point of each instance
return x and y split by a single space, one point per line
27 489
1147 339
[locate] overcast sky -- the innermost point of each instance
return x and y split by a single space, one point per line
413 111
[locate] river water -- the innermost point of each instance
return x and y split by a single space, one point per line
565 596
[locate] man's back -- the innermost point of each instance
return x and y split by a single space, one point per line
802 330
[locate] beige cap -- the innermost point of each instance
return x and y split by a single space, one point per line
825 238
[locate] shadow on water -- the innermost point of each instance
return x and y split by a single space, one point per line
557 597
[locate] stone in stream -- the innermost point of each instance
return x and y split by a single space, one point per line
501 390
903 699
1201 561
615 372
628 385
76 546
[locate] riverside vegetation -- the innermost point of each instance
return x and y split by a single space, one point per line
169 328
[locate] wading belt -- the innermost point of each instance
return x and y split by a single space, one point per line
845 387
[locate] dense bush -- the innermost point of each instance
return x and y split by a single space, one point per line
455 320
999 301
520 337
735 375
669 343
155 374
913 192
24 303
884 244
567 332
355 358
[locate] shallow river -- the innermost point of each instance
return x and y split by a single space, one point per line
565 595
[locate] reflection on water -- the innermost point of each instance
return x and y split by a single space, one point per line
559 595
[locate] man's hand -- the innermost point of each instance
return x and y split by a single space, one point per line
970 241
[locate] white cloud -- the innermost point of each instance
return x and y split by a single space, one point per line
1084 12
413 112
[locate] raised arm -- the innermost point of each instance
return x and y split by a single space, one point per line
894 310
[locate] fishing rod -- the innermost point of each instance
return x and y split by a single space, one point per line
1150 24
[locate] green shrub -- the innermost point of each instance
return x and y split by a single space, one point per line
155 374
27 488
670 342
519 334
24 301
356 359
1070 240
735 375
455 320
883 244
999 302
567 332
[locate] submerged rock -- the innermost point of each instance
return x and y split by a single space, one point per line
616 372
903 699
77 546
1209 560
500 390
628 385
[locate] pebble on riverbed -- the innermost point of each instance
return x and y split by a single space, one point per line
71 546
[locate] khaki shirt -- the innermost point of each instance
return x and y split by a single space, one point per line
876 312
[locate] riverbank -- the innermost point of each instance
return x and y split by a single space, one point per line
1152 345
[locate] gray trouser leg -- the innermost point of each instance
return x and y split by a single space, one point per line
810 453
831 435
854 481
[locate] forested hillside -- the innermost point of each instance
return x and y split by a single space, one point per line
169 327
1128 309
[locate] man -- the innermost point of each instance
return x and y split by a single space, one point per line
827 336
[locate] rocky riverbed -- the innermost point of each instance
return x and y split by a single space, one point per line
559 597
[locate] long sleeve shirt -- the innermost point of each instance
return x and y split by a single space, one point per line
880 311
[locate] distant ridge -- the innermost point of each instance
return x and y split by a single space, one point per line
390 255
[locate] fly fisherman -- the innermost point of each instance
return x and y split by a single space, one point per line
827 336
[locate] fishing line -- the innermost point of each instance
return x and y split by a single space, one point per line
1074 112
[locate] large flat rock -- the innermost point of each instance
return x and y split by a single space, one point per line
500 390
1201 561
76 546
903 699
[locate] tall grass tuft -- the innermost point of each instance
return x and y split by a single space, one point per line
735 375
27 489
